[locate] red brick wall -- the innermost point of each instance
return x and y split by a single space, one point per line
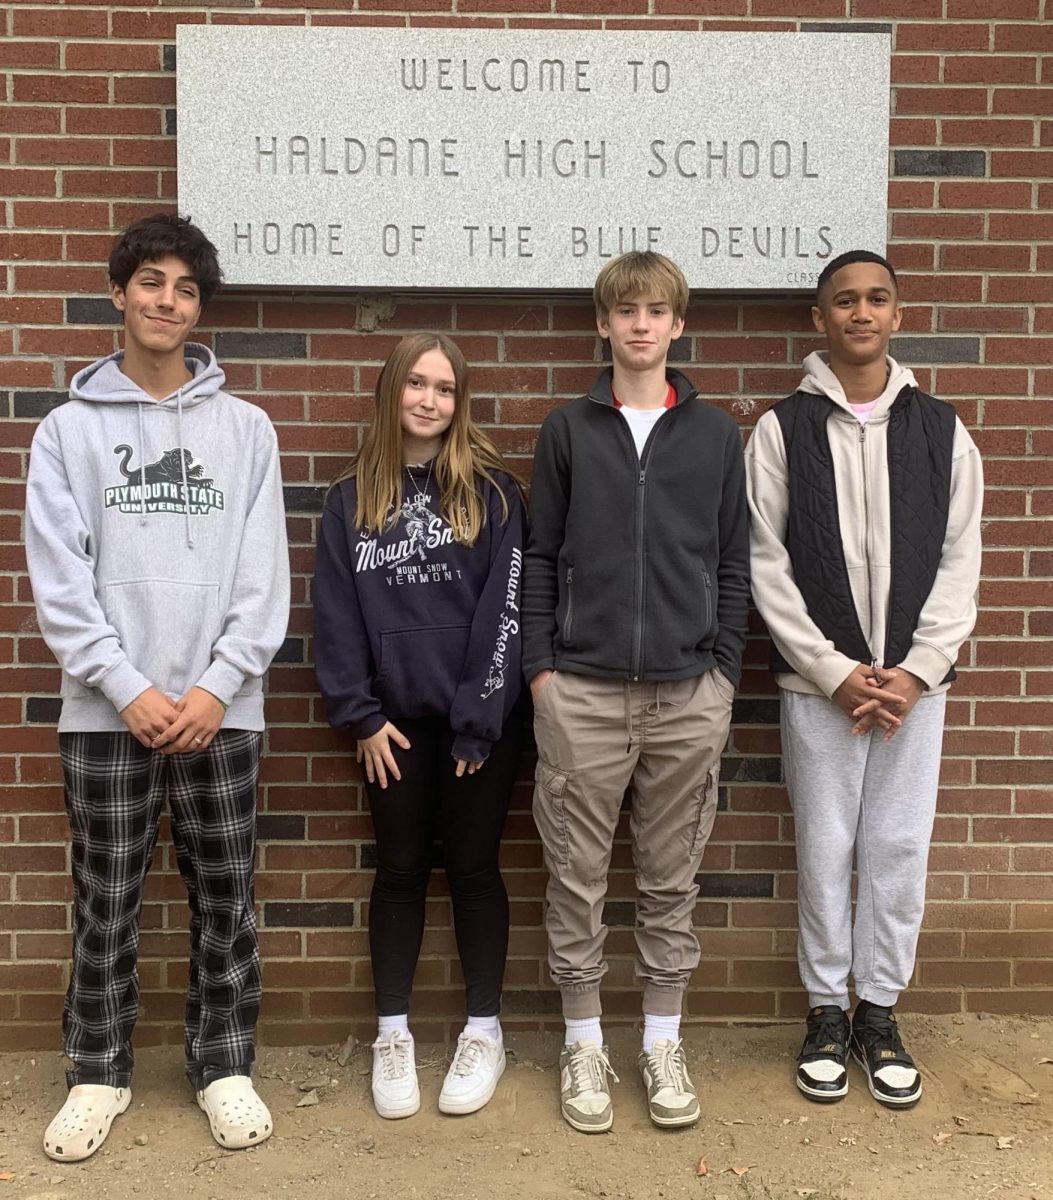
86 145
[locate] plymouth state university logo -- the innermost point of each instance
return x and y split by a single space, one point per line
158 486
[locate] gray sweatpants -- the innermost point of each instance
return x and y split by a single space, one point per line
858 797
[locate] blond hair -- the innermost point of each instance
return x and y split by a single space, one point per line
640 273
466 454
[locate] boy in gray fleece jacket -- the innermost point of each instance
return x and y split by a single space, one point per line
865 498
155 534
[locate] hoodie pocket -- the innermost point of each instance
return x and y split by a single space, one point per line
419 669
167 628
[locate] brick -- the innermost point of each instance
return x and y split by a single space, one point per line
29 54
60 89
948 35
997 133
261 345
112 56
987 195
935 349
945 100
60 22
970 320
960 226
940 162
989 68
62 150
846 26
1033 101
1029 39
983 256
155 25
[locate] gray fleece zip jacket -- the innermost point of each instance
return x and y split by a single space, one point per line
155 535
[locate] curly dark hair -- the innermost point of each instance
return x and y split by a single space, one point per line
153 238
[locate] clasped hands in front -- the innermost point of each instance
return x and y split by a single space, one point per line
878 699
174 726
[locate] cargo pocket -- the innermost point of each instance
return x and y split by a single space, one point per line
550 816
706 811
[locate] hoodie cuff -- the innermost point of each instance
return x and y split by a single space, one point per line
471 749
360 730
929 664
222 680
123 684
830 670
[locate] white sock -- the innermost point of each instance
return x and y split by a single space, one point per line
488 1026
585 1030
386 1026
657 1028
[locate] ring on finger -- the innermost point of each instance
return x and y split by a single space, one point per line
198 741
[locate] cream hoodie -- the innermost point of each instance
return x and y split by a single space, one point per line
860 462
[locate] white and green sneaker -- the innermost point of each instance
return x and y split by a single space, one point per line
671 1098
584 1093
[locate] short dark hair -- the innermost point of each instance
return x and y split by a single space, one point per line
153 238
846 259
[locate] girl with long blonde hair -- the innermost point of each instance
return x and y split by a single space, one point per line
417 651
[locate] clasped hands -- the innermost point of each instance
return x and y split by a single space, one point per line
174 726
878 699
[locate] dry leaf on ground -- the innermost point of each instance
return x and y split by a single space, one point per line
941 1138
703 1168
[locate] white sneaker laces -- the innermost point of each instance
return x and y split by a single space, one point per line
470 1048
394 1055
668 1066
588 1066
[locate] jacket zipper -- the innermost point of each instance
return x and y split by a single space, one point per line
866 535
708 592
567 620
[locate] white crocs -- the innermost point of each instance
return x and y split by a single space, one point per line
236 1115
80 1126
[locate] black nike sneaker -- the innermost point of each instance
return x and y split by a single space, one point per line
822 1071
892 1077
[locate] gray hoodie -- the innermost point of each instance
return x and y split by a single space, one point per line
860 460
155 534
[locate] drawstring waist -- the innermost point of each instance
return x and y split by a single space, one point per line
653 709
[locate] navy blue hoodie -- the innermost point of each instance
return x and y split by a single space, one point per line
412 623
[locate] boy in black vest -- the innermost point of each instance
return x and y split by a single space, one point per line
865 499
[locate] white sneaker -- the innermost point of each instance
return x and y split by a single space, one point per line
478 1063
395 1090
584 1093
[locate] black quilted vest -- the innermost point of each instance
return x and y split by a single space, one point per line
920 442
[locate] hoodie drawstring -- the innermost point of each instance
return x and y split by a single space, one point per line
142 468
182 463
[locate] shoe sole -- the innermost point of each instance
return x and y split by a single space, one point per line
461 1108
821 1097
396 1114
887 1101
583 1128
676 1122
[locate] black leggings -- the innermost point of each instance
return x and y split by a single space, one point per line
466 815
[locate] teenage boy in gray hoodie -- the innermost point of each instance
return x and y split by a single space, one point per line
155 535
865 498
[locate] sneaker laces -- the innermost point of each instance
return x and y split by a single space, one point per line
824 1028
879 1030
588 1067
667 1066
470 1049
395 1052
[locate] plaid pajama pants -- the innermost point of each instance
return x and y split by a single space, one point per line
115 790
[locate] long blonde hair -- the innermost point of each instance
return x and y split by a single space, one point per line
466 452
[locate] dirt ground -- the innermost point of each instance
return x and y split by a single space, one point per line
984 1128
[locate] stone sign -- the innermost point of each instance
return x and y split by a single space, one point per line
496 159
